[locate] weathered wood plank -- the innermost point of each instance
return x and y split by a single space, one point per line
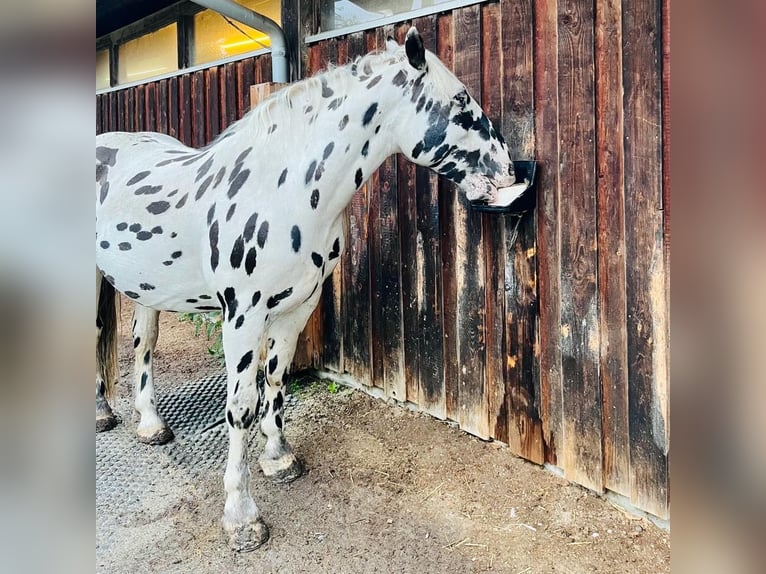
548 224
184 110
613 366
248 79
163 123
212 104
493 230
130 123
646 275
470 279
140 108
579 259
357 334
521 345
445 41
121 111
151 107
199 135
229 95
172 112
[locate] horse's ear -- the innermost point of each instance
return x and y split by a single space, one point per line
391 44
416 52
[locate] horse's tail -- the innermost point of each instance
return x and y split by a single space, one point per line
106 348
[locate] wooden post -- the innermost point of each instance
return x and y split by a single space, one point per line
260 92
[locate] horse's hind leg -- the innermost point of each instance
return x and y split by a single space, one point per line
106 350
278 461
151 429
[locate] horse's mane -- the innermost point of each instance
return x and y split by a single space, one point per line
288 103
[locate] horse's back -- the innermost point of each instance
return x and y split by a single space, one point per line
148 229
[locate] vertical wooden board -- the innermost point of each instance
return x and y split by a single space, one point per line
579 258
356 292
212 106
163 123
248 79
613 366
357 333
445 41
548 224
521 345
470 280
408 311
525 426
518 38
431 388
99 114
229 87
198 108
494 232
151 107
355 46
646 275
121 107
266 69
184 110
172 103
140 108
130 105
114 111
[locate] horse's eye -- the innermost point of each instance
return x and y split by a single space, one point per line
462 99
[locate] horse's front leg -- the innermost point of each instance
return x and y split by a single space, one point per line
242 521
278 461
151 428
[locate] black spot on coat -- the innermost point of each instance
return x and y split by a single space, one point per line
157 207
106 155
317 259
314 199
282 178
369 114
238 182
203 187
274 300
263 233
250 227
230 212
358 177
124 246
213 235
310 171
295 235
237 252
182 201
245 361
138 177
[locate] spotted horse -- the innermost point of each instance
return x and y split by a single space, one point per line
252 225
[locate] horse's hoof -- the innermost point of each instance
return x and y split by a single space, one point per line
106 423
248 537
161 436
283 470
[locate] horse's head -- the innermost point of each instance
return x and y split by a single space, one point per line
442 127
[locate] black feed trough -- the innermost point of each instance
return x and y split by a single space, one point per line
525 172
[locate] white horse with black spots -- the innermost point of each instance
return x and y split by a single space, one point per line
252 225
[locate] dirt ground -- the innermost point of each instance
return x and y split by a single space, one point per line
385 490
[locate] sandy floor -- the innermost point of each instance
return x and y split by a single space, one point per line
386 490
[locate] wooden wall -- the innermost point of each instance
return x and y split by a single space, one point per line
550 332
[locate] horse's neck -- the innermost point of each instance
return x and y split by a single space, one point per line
358 146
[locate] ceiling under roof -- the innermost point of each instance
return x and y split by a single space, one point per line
114 14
